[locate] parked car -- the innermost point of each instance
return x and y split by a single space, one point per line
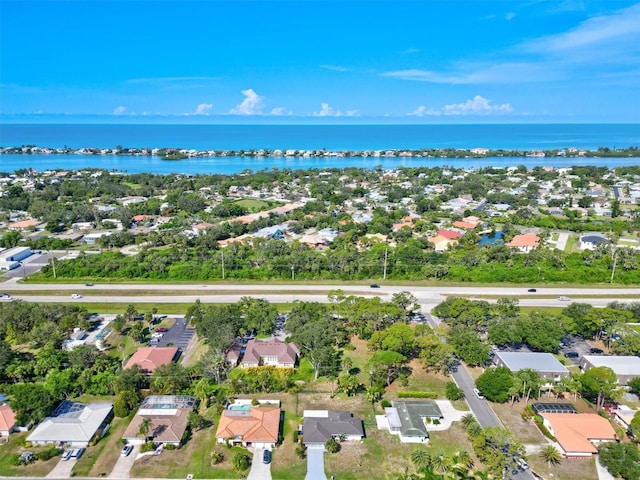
157 335
76 295
126 450
478 394
266 457
66 455
77 453
572 354
596 351
162 329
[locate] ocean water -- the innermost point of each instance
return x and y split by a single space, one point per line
308 137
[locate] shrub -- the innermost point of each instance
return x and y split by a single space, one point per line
436 421
349 347
295 436
48 453
332 446
241 461
169 446
216 457
384 403
543 429
147 447
416 394
527 412
453 392
255 402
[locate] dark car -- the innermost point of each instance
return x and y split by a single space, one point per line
596 351
532 290
266 457
88 284
374 285
572 354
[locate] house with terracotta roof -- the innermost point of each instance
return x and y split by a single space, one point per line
579 434
468 223
169 416
272 352
252 427
23 225
525 242
445 239
150 358
7 421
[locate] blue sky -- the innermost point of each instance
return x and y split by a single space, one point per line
358 61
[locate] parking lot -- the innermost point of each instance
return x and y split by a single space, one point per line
573 343
177 336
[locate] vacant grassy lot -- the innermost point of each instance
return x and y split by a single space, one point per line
100 459
568 469
524 431
14 447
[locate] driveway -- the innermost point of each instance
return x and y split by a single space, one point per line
259 469
315 464
62 469
124 464
450 414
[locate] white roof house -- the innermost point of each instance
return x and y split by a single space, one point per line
544 363
72 423
625 367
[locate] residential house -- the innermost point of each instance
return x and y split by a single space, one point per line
623 415
625 367
24 225
525 242
321 425
74 424
150 358
547 366
579 434
169 416
445 239
7 421
409 419
272 352
253 426
590 241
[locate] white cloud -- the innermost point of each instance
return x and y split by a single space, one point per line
510 16
120 110
326 111
277 111
203 109
478 105
335 68
251 105
620 26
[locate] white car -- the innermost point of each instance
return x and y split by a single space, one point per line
478 394
76 296
126 450
563 298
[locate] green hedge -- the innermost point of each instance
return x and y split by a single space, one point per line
412 394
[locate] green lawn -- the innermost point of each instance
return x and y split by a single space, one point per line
252 205
100 459
15 447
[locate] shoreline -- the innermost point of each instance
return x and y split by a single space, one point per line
177 154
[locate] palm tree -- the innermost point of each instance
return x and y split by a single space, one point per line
474 430
468 419
145 426
420 458
551 455
462 457
441 462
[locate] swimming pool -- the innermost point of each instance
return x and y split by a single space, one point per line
239 407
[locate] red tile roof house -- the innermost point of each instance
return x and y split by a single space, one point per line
150 358
7 422
270 352
257 427
525 243
579 433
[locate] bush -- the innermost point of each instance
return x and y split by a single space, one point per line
241 461
543 429
527 412
295 436
417 394
48 453
332 446
147 447
255 402
384 403
216 457
453 392
169 446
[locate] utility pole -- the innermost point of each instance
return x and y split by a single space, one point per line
53 263
615 260
384 272
222 264
293 272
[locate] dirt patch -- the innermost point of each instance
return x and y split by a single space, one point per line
568 469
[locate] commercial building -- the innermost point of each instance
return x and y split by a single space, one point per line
625 367
547 366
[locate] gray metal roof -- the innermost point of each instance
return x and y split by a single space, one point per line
621 365
541 362
412 415
71 422
321 425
